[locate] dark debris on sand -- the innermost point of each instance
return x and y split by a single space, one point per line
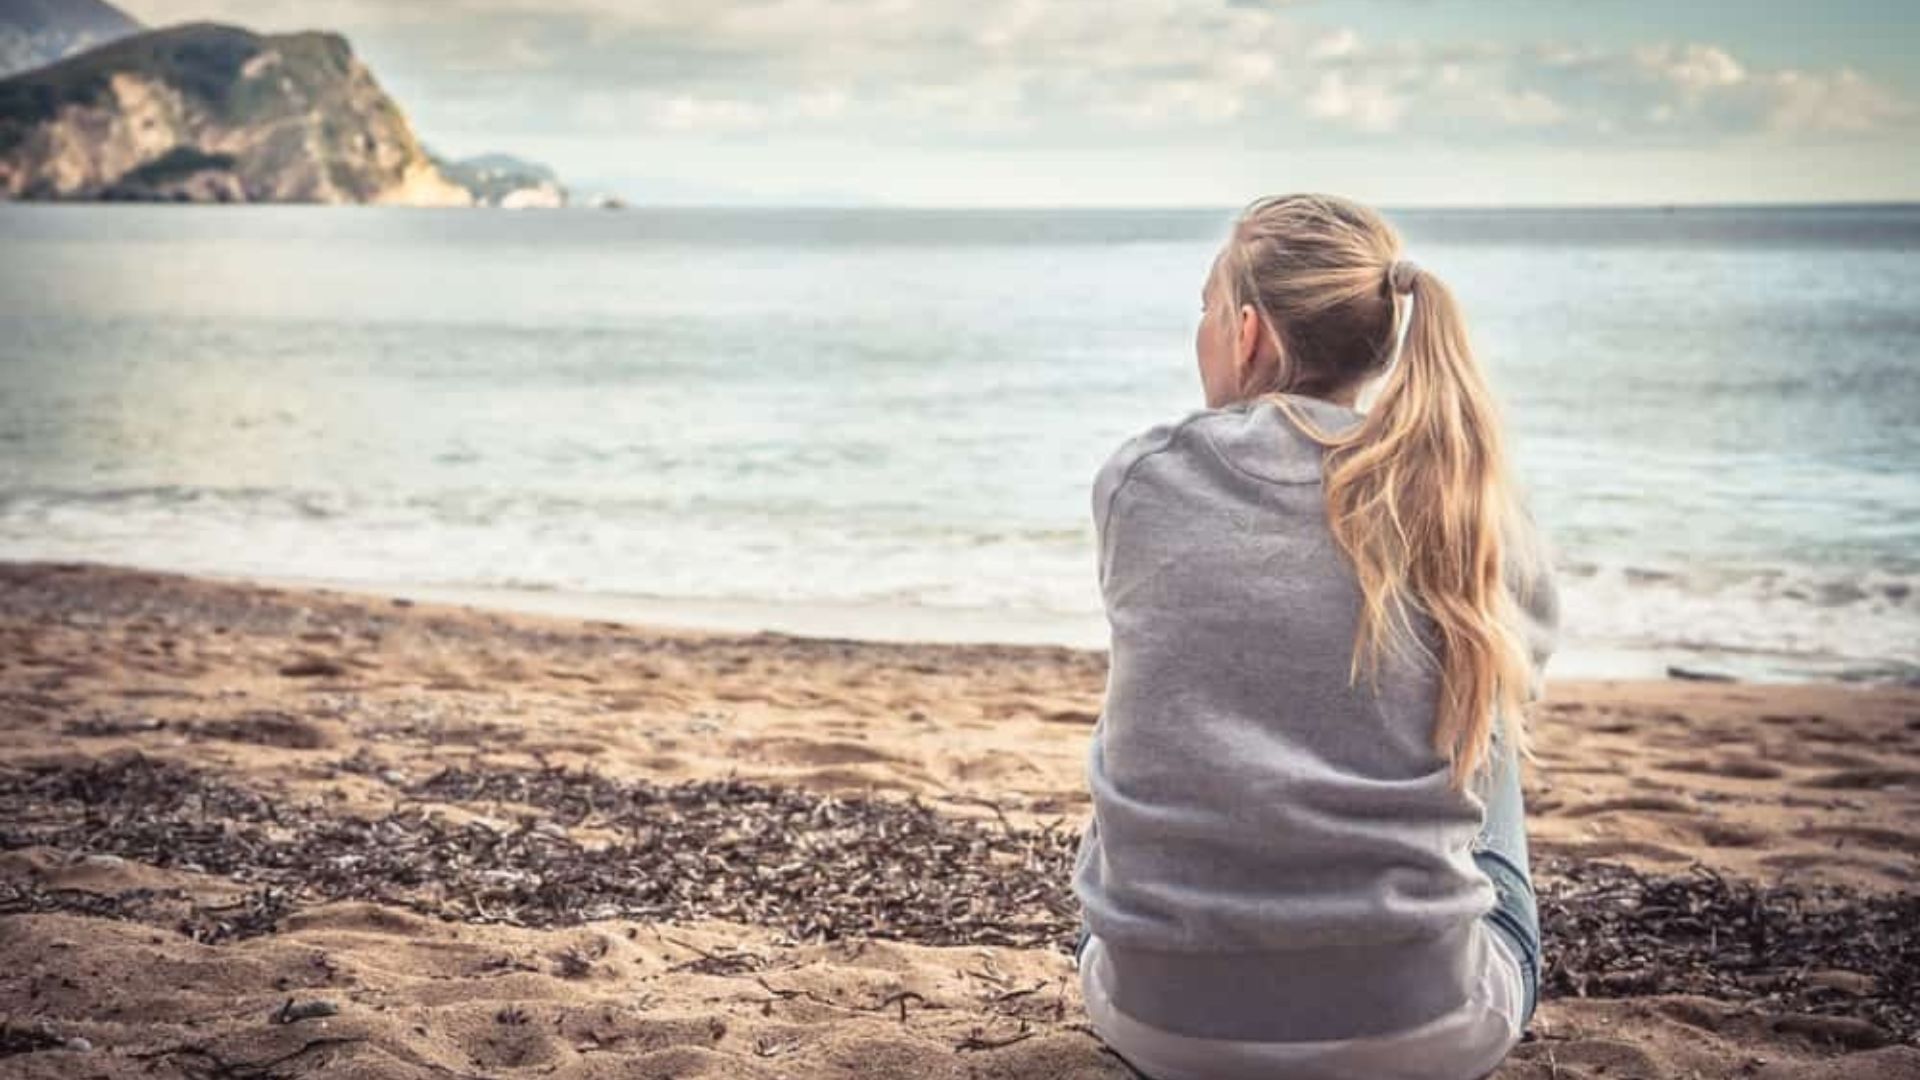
257 913
1612 931
576 846
813 866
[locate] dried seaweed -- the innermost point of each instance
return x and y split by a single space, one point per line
1612 931
27 1039
814 866
819 867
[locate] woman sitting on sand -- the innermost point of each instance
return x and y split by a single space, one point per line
1308 856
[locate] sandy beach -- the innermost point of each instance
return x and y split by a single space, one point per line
253 831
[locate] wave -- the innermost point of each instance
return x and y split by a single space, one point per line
1798 620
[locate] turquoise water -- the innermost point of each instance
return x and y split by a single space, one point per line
857 413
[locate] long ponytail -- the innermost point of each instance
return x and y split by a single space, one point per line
1419 494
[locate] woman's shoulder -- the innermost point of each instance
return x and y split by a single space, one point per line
1137 449
1259 438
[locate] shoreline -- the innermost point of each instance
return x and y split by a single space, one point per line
906 624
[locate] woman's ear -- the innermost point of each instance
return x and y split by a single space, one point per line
1247 344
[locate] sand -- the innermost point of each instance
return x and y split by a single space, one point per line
142 937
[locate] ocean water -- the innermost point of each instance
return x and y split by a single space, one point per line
885 423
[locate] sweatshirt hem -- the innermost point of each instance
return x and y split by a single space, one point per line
1303 994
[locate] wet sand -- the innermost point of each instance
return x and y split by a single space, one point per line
354 837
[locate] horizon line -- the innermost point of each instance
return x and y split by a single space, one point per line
631 204
587 193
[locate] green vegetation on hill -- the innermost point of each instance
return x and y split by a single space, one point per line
179 162
203 61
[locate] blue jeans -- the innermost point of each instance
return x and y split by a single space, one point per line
1501 853
1500 850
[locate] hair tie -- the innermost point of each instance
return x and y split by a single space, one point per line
1401 274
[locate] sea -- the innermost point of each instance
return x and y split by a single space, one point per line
884 423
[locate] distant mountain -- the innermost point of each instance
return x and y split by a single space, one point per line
503 180
34 33
211 113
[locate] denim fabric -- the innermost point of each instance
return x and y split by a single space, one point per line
1500 850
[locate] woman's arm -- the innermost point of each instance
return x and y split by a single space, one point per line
1536 594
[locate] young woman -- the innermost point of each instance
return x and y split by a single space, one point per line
1308 856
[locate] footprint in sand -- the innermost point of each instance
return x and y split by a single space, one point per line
313 666
498 1035
361 917
993 767
1840 759
1856 837
635 1031
1823 861
1726 834
1869 779
831 752
1613 849
1590 1057
1732 768
266 728
1647 803
854 778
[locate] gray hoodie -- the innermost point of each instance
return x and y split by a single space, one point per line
1274 855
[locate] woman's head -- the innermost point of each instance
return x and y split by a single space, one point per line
1298 300
1309 296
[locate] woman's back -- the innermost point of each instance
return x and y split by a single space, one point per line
1276 854
1308 850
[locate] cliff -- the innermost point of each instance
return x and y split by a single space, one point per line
204 112
505 181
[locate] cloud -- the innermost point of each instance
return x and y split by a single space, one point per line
1032 72
1698 90
1842 101
1370 105
1647 94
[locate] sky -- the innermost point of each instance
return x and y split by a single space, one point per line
1152 102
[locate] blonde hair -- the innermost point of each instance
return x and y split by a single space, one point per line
1418 494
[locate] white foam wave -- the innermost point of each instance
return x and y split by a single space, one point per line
1772 622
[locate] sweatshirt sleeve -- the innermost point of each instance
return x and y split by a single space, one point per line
1113 476
1537 595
